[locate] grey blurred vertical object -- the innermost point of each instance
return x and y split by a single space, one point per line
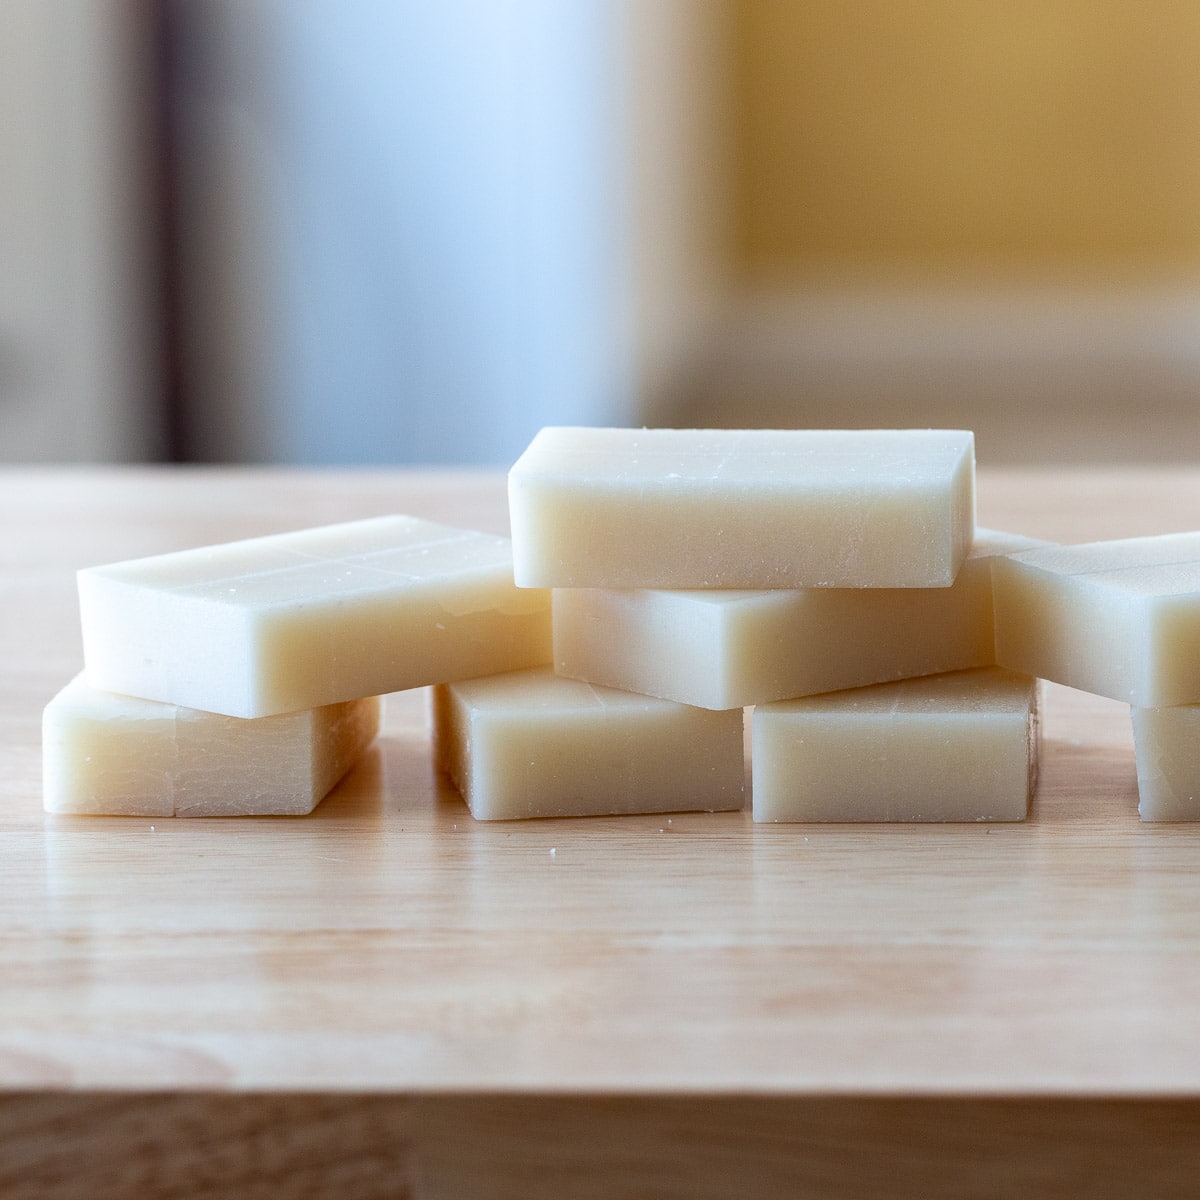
79 358
401 227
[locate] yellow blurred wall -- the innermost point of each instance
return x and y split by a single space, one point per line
927 137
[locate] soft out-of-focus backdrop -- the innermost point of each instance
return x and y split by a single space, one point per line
382 231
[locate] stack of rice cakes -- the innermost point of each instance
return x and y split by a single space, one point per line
659 585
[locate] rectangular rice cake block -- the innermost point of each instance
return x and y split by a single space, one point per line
109 755
1166 744
531 744
696 508
1118 619
956 747
729 649
298 620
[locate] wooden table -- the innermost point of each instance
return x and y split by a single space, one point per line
388 999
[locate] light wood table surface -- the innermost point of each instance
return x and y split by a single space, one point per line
386 998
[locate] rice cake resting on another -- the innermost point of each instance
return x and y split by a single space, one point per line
299 620
729 649
531 744
956 747
106 754
697 508
1118 619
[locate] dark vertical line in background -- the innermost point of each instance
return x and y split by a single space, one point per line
164 30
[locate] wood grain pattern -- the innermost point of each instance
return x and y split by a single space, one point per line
833 1148
262 1146
389 946
114 1146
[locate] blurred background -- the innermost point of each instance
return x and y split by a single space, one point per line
382 231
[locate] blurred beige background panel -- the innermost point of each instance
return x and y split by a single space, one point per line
945 213
78 347
1034 136
676 132
1044 375
259 232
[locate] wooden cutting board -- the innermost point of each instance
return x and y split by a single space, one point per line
390 951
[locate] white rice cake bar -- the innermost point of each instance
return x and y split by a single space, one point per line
1166 745
728 649
1118 619
721 508
299 620
111 755
956 747
531 744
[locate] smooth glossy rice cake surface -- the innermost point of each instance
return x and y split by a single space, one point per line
109 755
728 649
694 508
298 620
1118 619
956 747
531 744
1166 744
